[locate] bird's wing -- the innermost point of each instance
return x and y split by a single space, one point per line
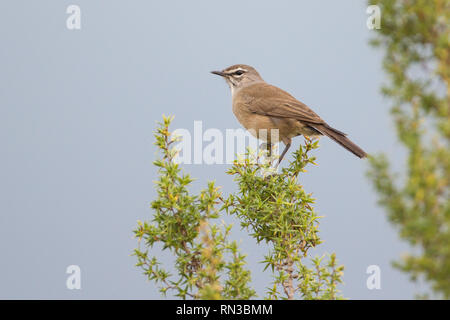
265 99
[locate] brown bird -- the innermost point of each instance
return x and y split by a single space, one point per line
261 107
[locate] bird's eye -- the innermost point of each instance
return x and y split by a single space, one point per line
239 72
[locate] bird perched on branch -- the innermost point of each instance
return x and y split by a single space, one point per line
261 107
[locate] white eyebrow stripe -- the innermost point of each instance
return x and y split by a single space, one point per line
237 69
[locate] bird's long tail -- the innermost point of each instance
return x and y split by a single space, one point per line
340 138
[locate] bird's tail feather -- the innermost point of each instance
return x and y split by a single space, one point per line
340 138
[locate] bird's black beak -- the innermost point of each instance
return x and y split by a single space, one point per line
219 73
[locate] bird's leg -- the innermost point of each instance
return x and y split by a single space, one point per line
287 142
269 149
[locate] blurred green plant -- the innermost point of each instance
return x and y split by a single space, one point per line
274 207
415 35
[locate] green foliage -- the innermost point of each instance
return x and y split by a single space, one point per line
416 37
182 225
273 207
276 209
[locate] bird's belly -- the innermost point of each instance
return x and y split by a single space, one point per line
272 129
259 126
268 128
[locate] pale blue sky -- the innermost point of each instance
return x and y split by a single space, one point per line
78 108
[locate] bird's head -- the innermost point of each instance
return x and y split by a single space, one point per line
239 75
